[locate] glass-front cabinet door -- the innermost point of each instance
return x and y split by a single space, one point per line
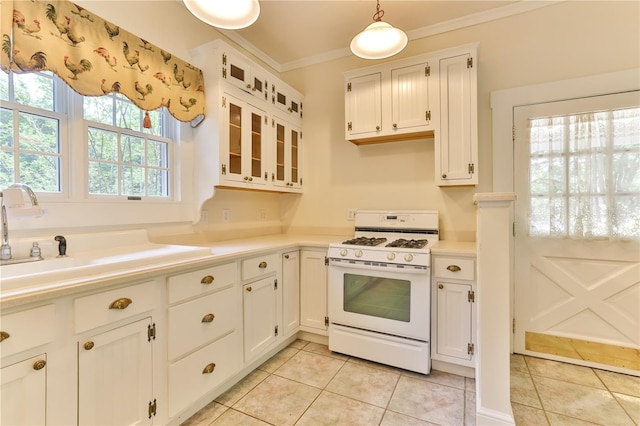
288 149
243 156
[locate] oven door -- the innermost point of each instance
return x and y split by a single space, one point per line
385 298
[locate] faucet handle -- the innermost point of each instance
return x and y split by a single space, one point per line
62 245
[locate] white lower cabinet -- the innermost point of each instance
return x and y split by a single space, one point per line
453 333
290 293
200 372
23 375
115 383
260 313
313 291
23 392
204 345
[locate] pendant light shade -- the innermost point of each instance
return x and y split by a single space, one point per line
226 14
379 40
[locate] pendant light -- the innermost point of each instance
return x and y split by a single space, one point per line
226 14
379 40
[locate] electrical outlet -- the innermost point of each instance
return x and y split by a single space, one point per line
204 216
262 214
351 214
225 215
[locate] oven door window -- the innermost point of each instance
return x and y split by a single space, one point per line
378 297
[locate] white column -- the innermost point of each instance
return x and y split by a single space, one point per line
494 246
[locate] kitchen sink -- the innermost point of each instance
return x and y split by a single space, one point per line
90 255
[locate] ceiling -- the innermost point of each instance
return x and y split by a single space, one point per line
294 33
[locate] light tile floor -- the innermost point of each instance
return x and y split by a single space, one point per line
545 392
306 384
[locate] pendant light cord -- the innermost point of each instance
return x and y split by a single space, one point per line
377 17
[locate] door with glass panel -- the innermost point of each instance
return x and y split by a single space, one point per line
577 230
245 153
288 151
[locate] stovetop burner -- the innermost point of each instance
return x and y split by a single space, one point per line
403 243
365 241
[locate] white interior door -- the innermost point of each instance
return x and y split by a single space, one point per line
569 290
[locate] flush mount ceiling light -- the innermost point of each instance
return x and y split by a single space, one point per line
379 40
226 14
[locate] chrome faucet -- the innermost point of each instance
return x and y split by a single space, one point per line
5 249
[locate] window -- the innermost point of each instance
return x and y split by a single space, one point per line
30 128
584 175
120 156
124 158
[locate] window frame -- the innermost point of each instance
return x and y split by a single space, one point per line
73 140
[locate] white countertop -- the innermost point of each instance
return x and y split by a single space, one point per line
95 276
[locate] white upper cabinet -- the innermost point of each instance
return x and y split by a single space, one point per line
240 72
243 145
287 101
235 143
457 139
388 103
431 96
364 106
287 155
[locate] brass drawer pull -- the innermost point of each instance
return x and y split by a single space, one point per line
249 289
121 303
208 318
4 335
262 265
88 345
207 279
208 369
454 268
39 364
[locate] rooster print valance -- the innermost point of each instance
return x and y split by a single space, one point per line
96 57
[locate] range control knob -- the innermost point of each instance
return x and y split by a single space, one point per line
391 256
358 253
408 257
343 252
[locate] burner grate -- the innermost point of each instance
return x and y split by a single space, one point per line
365 241
403 243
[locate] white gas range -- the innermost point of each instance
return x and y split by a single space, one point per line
380 287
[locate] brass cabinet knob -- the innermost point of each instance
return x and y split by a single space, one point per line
377 127
248 86
444 176
454 268
249 289
395 126
208 369
39 364
208 318
4 335
121 303
440 286
262 265
207 279
89 345
286 256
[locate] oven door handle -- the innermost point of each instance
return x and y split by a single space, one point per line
376 266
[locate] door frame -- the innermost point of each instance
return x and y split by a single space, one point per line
503 103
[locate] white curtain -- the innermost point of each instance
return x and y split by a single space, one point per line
584 175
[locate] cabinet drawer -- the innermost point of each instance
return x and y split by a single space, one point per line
27 329
199 321
202 281
191 377
258 266
454 268
110 306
